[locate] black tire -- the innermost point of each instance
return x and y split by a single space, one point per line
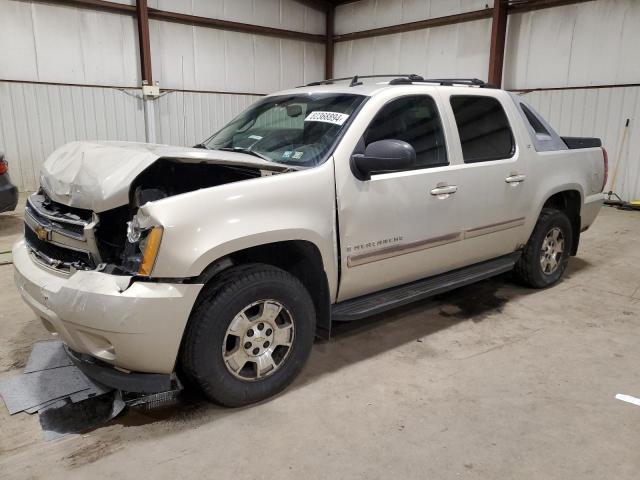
529 268
201 356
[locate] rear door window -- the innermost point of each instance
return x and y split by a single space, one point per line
485 133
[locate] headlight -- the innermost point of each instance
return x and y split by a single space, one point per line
149 246
134 231
144 244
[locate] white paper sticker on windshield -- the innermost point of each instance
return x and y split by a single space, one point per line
327 117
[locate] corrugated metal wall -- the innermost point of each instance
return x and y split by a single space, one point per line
460 50
50 43
454 51
62 44
197 58
368 14
286 14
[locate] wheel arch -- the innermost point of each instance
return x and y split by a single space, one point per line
570 202
301 258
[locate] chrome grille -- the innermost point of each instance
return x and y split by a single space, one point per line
62 237
55 256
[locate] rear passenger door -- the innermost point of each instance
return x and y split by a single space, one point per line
494 197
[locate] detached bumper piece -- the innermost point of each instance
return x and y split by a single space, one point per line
129 382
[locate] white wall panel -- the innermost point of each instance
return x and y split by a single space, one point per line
100 48
368 14
172 54
188 118
200 58
37 119
600 112
57 43
240 62
313 63
17 43
592 43
460 50
286 14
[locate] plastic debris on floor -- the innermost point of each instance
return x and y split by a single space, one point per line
65 416
66 399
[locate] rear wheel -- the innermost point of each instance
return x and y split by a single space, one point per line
547 252
249 336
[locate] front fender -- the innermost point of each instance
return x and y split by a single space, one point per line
204 225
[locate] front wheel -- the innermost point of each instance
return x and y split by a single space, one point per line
547 252
249 335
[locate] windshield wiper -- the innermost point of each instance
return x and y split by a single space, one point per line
200 145
246 150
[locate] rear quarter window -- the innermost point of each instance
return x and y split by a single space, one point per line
485 133
536 124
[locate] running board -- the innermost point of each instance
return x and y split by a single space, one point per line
384 300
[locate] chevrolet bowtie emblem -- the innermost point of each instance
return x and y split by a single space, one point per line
42 233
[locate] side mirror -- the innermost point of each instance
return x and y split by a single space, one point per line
294 110
383 156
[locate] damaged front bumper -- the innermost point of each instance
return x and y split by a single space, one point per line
111 377
134 326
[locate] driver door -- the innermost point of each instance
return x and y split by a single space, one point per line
401 226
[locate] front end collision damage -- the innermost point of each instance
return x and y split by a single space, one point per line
112 180
116 315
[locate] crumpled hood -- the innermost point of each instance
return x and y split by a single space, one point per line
97 175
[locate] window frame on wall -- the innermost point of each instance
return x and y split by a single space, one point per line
440 124
489 158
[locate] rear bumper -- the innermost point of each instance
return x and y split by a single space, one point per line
135 326
590 209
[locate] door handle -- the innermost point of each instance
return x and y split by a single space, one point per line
515 178
444 190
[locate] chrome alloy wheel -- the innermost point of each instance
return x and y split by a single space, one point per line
258 340
552 251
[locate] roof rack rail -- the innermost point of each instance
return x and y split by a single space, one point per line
406 79
355 79
460 81
443 81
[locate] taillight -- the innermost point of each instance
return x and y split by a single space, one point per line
3 167
605 157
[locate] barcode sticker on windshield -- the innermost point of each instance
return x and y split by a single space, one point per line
327 117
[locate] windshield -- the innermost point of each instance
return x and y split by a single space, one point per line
290 129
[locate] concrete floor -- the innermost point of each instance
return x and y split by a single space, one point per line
492 381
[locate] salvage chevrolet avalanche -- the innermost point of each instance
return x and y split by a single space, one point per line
331 202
